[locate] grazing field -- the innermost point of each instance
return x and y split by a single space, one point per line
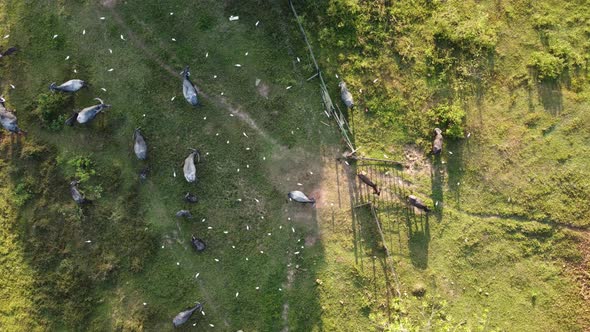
505 248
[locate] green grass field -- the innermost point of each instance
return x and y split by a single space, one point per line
502 251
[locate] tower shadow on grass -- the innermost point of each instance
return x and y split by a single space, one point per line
418 237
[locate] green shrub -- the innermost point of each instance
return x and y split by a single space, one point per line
546 66
450 119
84 168
50 108
475 36
543 22
22 193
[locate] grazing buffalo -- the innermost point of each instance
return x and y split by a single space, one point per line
69 86
189 168
191 198
139 146
72 119
89 113
198 244
184 213
415 201
300 197
184 316
8 52
8 119
369 183
438 142
76 194
188 88
346 95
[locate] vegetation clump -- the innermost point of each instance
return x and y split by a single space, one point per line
50 109
546 65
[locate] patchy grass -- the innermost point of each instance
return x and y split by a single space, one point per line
510 190
139 251
492 256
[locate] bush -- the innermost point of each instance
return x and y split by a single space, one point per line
450 119
84 168
546 66
22 193
50 110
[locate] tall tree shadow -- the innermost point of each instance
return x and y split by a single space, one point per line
418 237
455 168
550 96
437 180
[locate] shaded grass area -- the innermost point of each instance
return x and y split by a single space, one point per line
139 269
462 272
509 189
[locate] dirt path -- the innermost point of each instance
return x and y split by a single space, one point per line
219 102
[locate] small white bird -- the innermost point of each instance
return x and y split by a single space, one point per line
217 260
244 134
173 39
207 55
234 18
174 173
88 241
6 37
172 99
111 69
289 87
67 58
111 51
238 65
12 86
122 38
103 18
103 89
256 23
55 36
237 293
84 31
